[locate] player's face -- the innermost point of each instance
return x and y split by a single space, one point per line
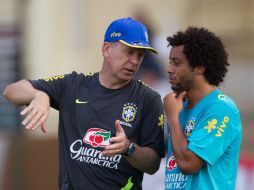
181 75
124 61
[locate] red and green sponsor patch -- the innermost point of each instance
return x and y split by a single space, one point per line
97 137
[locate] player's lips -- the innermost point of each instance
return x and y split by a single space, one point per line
171 79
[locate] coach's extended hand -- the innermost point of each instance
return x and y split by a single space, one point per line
38 107
119 143
37 112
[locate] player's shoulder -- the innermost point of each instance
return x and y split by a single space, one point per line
224 103
222 109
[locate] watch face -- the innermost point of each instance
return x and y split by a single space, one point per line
131 149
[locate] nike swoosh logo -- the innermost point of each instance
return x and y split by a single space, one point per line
80 102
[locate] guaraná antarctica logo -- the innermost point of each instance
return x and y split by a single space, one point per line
171 163
97 137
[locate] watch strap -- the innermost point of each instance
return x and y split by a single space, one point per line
131 149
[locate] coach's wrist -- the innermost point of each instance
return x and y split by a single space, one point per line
127 144
130 149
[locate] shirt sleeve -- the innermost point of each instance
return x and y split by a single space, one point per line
54 87
214 132
152 129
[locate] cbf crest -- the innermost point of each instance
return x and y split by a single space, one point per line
129 112
189 127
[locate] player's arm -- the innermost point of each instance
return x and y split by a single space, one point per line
144 159
187 161
23 93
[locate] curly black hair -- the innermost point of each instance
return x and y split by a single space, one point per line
203 48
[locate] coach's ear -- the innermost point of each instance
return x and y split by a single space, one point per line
106 49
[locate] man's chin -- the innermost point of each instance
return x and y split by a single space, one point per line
126 78
177 90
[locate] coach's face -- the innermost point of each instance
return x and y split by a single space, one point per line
123 61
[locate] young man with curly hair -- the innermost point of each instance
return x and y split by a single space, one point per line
205 129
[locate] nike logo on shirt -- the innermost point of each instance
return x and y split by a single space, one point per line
80 102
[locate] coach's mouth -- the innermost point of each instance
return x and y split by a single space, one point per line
129 71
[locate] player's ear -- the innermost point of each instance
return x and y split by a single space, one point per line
200 70
106 49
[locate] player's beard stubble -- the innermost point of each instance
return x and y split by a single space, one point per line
185 83
183 86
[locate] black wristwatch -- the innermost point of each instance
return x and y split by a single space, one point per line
131 149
